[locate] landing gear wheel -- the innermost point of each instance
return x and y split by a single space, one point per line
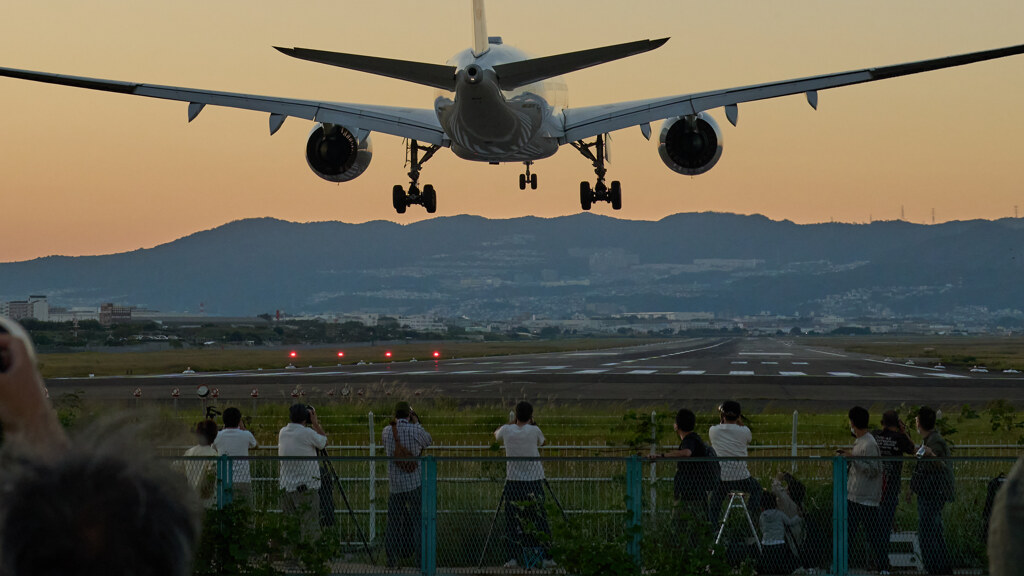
398 199
616 195
586 195
429 199
533 181
522 181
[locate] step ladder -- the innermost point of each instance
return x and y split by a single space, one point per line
738 501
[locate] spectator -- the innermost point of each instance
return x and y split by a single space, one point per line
300 479
693 480
776 557
95 507
1006 530
789 499
405 437
893 442
864 487
730 439
234 440
202 472
524 486
932 481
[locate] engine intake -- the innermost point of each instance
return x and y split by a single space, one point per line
334 153
690 145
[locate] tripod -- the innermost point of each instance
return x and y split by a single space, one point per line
333 479
497 511
737 500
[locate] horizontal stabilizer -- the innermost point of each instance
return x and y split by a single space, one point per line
435 75
516 74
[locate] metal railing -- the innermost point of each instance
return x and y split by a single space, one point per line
467 518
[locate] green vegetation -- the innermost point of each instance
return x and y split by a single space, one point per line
996 353
216 358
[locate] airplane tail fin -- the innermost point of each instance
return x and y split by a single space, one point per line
480 42
517 74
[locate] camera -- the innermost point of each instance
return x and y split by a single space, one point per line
212 413
309 413
8 326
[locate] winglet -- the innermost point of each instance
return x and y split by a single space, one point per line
480 42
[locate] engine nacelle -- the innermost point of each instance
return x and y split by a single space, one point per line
690 145
334 154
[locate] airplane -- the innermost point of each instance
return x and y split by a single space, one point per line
495 104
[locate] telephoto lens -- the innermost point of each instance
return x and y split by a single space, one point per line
3 352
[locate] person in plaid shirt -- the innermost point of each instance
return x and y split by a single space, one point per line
402 533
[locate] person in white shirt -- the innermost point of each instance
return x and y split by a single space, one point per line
202 474
300 479
235 440
730 439
523 494
864 489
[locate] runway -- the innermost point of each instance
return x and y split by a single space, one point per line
705 370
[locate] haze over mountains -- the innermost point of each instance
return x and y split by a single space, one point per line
496 269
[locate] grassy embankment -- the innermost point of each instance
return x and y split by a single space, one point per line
115 363
996 353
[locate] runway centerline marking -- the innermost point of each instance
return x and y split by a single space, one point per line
685 351
467 372
515 371
766 353
844 374
590 371
948 375
691 372
829 353
895 375
799 363
642 372
741 373
792 374
769 363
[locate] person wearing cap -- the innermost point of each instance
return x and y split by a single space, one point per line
730 439
404 437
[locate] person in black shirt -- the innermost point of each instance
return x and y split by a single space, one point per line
692 479
893 442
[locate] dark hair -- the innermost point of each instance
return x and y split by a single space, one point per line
112 513
730 409
686 420
890 418
926 418
232 417
298 413
768 500
207 429
859 417
524 412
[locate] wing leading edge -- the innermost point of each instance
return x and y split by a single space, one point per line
415 123
582 123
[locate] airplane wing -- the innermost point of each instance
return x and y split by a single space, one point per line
415 123
582 123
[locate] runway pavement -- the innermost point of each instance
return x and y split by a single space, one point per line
782 371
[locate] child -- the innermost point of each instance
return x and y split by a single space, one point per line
776 557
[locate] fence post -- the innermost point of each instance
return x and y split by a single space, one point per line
373 479
796 425
225 481
654 467
634 504
428 522
840 548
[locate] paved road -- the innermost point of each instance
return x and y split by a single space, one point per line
708 370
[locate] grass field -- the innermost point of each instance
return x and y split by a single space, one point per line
996 353
113 363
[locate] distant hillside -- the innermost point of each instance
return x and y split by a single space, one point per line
472 266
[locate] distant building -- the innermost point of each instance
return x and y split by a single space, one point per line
5 309
422 323
39 308
19 309
79 313
115 314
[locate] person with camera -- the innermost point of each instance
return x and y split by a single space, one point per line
525 515
300 479
404 438
693 480
94 505
932 481
893 442
730 439
235 441
200 468
864 486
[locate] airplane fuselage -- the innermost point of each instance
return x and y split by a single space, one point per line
488 124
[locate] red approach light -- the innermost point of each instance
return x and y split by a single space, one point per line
341 354
437 354
293 354
387 354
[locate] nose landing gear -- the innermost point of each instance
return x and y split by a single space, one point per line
596 152
528 178
426 197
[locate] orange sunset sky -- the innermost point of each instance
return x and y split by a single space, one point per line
86 172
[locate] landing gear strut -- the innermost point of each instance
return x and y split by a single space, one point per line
596 152
528 178
426 197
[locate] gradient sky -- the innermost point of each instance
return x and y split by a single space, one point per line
85 172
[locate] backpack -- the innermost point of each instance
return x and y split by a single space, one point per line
407 466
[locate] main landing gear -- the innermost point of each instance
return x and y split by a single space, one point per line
528 178
426 197
600 192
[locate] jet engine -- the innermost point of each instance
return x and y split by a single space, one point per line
336 155
690 145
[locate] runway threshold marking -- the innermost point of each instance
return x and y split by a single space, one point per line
799 363
590 372
769 363
642 372
741 373
467 372
738 362
792 374
895 375
844 374
691 372
515 371
766 353
948 375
